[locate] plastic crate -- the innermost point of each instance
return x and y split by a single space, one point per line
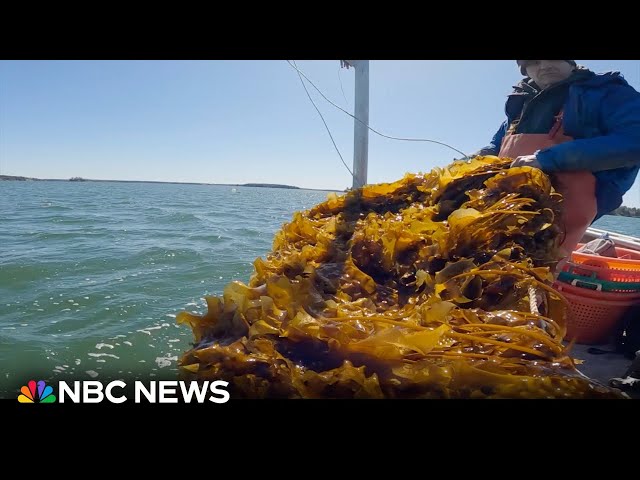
585 278
632 297
628 261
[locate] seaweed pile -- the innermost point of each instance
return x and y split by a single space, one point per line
434 286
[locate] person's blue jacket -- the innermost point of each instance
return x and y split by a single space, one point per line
602 114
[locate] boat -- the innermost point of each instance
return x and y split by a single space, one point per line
601 360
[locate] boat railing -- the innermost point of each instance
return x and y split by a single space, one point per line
624 241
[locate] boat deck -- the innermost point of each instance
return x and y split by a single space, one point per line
602 367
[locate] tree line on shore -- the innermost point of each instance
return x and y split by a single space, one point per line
626 211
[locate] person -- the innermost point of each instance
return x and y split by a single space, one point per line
581 128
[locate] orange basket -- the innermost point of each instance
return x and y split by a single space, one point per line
626 268
592 320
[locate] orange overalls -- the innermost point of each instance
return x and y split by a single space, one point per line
578 187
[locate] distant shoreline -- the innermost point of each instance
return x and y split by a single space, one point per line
619 212
80 179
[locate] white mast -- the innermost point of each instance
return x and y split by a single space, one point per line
360 130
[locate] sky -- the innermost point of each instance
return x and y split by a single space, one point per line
235 122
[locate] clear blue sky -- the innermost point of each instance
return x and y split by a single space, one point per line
247 121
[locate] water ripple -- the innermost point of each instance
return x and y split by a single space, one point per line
92 274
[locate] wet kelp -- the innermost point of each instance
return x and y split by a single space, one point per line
435 286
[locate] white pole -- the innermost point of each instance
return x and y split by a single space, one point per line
360 130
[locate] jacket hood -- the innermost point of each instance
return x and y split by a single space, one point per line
607 77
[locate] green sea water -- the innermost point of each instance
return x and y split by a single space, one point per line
92 274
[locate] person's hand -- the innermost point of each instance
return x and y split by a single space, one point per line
526 161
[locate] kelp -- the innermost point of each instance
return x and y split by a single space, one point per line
434 286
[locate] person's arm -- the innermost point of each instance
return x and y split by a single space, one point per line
494 147
619 147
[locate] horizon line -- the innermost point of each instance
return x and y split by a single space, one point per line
248 184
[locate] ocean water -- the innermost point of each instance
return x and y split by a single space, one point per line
625 225
92 274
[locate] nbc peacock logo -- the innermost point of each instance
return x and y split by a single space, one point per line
36 393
